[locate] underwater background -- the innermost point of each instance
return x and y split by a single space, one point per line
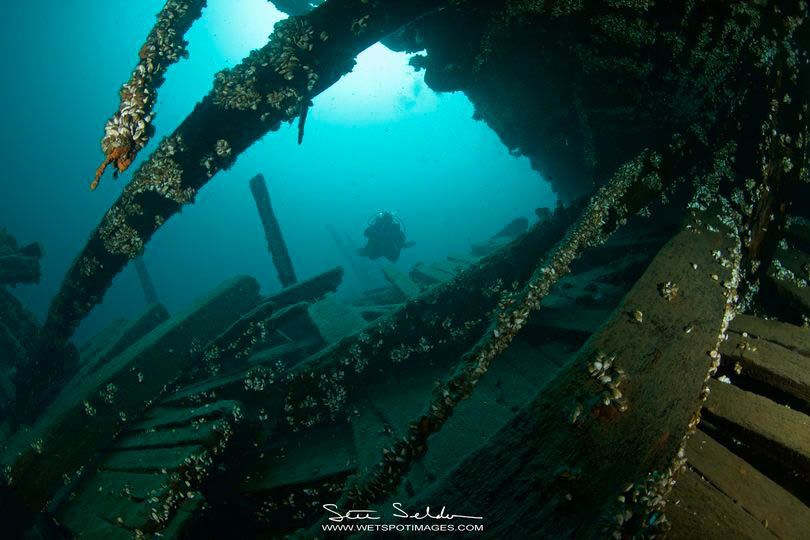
378 140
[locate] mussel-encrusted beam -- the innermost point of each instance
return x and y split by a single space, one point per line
305 55
130 128
593 455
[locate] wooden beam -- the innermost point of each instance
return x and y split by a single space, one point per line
272 232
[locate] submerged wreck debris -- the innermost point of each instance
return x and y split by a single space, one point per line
130 128
694 114
632 187
171 177
18 264
272 232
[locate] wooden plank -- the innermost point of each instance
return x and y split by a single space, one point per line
466 260
153 459
321 452
272 232
696 509
97 527
183 516
792 337
137 485
308 290
335 320
128 333
200 433
427 274
774 430
162 417
770 364
400 281
101 340
757 494
445 266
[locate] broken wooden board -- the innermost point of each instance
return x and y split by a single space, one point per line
772 430
335 320
308 290
120 338
400 281
82 421
512 382
18 264
304 459
146 480
232 385
428 275
697 507
99 341
768 502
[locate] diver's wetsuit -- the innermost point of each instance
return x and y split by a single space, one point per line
385 238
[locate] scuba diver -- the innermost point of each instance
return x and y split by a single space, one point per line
385 238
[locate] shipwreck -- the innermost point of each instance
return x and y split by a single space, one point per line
635 364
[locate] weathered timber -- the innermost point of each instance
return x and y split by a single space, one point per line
18 264
165 418
309 290
17 268
768 502
573 440
789 336
149 293
697 507
325 452
770 364
272 232
100 340
400 281
83 420
145 479
334 320
428 275
775 432
226 122
121 337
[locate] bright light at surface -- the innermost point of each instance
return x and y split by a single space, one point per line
237 27
381 88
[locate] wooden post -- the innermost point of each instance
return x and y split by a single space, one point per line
148 287
272 231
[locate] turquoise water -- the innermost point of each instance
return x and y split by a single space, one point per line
380 139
